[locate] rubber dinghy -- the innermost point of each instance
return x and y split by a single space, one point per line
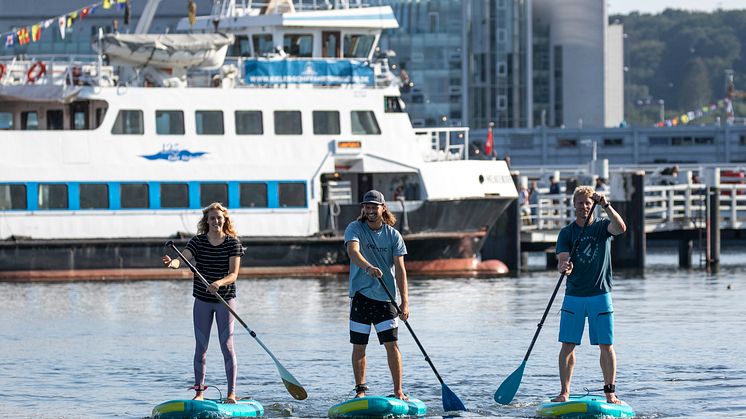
584 406
377 406
207 409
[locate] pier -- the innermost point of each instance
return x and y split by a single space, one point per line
686 213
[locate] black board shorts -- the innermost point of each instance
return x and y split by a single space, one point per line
365 312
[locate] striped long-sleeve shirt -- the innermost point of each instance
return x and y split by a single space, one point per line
213 262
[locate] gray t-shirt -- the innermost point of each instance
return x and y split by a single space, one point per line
379 248
591 274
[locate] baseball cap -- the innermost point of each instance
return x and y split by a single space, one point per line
373 197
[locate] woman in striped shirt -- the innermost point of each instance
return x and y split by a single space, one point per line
217 252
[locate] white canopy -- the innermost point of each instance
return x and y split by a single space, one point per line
169 50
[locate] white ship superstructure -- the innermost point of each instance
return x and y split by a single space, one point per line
287 116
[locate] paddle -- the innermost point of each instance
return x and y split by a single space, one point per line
451 402
293 386
509 387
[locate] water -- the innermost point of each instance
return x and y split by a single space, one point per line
100 350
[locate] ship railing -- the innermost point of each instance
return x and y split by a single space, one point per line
444 143
241 7
57 70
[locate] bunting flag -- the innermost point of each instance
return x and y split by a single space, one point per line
36 32
62 21
23 37
32 33
705 110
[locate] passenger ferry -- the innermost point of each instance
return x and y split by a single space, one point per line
285 115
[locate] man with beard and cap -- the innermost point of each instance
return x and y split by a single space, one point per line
376 250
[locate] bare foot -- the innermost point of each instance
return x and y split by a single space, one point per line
562 397
231 399
400 395
611 398
359 394
199 396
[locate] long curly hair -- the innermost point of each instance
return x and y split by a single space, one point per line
388 216
228 229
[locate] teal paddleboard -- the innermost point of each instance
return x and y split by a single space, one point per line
207 409
377 406
584 406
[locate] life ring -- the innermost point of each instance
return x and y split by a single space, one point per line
36 71
2 71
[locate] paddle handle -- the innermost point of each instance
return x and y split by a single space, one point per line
559 282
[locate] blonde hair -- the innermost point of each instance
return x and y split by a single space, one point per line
388 216
228 229
584 190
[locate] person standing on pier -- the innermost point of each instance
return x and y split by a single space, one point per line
588 288
217 252
376 250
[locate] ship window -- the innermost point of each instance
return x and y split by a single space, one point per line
134 195
613 142
55 119
326 123
357 46
330 44
292 194
12 197
209 122
169 122
288 123
393 104
79 115
213 192
128 122
364 123
53 196
567 142
241 47
6 120
253 195
30 120
94 196
174 195
262 44
298 45
249 123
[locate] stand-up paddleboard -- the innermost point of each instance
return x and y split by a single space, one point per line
584 406
378 406
207 409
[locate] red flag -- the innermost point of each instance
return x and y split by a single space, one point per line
489 145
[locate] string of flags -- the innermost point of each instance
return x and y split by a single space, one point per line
687 117
32 33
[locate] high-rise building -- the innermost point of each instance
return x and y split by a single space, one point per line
514 63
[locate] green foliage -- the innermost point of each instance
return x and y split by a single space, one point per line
681 57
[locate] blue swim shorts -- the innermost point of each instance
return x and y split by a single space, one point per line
600 313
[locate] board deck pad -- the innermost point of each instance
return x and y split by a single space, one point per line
207 409
376 407
584 406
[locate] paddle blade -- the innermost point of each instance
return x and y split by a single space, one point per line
507 390
294 387
451 402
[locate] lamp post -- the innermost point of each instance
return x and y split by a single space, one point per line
662 104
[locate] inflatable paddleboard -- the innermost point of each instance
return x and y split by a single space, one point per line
377 406
584 406
207 409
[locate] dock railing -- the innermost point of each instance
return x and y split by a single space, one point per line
444 143
667 207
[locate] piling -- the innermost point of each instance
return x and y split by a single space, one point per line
628 199
713 229
685 253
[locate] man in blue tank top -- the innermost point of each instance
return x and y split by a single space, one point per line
376 250
588 290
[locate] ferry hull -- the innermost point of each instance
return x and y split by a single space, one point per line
443 238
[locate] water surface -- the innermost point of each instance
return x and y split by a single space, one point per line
99 350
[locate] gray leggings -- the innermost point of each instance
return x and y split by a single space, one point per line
203 313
